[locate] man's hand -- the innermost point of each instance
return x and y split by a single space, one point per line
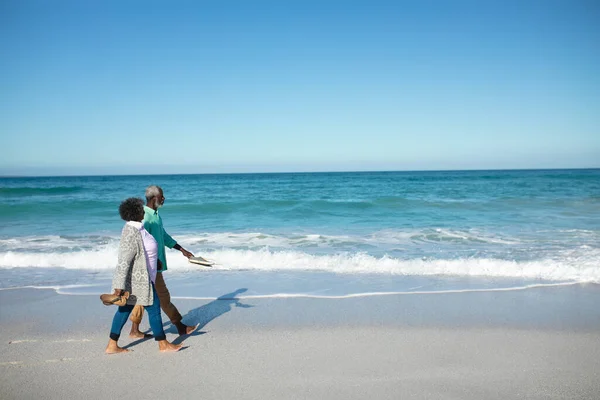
186 253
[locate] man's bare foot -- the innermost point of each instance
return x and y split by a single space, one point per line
186 330
139 335
135 332
165 346
113 348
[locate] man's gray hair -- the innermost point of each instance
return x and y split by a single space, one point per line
152 191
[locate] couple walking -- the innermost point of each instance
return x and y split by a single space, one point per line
140 266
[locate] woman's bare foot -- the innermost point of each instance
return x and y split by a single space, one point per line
165 346
113 348
135 332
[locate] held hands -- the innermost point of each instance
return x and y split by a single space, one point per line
118 292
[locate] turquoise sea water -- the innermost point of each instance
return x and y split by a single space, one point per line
315 234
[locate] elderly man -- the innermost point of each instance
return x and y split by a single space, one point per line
153 224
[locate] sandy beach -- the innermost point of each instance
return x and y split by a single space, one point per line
530 344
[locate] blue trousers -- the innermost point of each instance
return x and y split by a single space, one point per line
154 318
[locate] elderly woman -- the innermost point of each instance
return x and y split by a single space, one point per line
136 273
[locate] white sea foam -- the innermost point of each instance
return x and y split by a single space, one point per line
55 243
384 237
577 270
378 294
102 258
581 265
254 240
69 290
344 254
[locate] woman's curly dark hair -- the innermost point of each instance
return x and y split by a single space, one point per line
132 209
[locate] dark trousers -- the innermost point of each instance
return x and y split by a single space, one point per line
154 318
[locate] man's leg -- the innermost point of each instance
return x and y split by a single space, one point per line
136 319
137 314
168 307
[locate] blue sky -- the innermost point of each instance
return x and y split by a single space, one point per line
121 87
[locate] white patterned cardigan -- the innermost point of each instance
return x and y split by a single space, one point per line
132 272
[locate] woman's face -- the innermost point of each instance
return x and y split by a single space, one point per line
141 214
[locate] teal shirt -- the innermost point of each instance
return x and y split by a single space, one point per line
153 224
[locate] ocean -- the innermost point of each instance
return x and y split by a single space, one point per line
322 235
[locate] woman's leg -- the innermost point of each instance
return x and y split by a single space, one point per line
119 321
157 327
155 319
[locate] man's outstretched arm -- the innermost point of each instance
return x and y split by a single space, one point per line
172 244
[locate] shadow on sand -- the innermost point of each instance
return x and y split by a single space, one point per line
208 312
138 341
201 316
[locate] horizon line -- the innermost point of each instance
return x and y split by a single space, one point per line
305 172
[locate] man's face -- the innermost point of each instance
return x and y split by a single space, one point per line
160 199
